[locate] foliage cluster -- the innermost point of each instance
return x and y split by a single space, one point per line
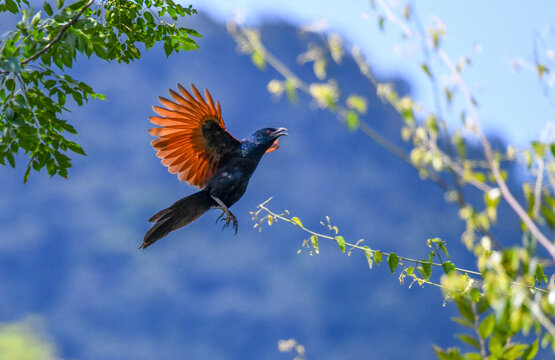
510 293
35 59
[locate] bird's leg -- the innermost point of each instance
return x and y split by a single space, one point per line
229 217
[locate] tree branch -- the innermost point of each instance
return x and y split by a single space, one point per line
60 34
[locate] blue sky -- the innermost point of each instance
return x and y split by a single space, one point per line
512 104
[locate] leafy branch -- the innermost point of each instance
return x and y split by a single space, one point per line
263 214
34 94
62 31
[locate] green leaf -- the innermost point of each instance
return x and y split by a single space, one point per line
463 322
270 220
320 68
381 21
59 4
98 96
26 175
465 309
539 148
495 347
168 47
49 83
47 8
449 354
66 59
258 59
448 95
486 326
335 46
297 221
314 241
59 62
11 5
448 266
9 113
326 95
440 353
369 256
492 197
11 159
426 269
548 214
61 98
291 90
473 356
542 69
378 257
468 339
426 69
341 243
514 351
77 5
357 103
392 261
352 120
149 18
35 20
10 84
539 274
531 351
441 245
483 305
10 64
475 296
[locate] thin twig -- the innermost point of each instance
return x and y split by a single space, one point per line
355 246
476 325
263 207
542 318
546 243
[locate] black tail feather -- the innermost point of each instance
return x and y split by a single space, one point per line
181 213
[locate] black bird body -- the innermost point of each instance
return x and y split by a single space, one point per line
230 182
194 144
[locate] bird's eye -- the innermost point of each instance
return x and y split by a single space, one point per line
268 131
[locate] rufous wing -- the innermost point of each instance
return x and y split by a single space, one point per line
192 139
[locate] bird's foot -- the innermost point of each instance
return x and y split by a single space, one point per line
229 218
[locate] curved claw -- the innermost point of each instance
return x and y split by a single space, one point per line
228 217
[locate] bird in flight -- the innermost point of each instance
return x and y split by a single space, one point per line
193 143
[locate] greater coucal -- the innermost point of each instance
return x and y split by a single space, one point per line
194 144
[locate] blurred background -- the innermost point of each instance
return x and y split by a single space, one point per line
70 270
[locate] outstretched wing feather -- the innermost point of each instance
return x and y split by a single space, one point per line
188 141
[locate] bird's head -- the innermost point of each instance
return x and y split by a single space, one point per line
267 138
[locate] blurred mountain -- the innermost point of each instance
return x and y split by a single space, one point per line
68 249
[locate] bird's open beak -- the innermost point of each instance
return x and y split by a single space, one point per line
279 132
